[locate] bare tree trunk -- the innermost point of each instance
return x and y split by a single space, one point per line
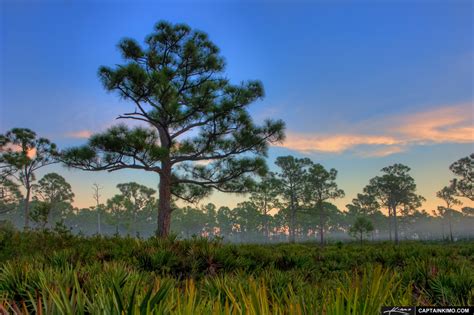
96 196
164 202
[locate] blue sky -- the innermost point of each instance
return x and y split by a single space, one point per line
360 84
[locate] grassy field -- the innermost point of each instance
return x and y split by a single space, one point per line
47 273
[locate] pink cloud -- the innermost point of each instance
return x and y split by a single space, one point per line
31 153
82 134
446 124
336 143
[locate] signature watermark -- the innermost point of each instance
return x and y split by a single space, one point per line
415 310
398 310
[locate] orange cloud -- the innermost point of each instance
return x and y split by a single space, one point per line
333 143
82 134
86 133
31 153
447 124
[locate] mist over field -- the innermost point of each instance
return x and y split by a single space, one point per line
132 213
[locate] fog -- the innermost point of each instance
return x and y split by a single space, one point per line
244 224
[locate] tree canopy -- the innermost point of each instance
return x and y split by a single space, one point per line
22 154
361 226
54 188
394 189
265 197
321 186
55 194
363 205
464 182
197 133
292 182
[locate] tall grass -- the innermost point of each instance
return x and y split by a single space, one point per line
115 289
53 274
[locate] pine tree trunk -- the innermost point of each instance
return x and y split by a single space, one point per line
451 231
292 220
321 235
135 230
49 218
98 221
395 224
266 229
164 202
27 207
321 225
321 222
390 224
442 229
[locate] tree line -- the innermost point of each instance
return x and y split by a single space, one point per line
294 203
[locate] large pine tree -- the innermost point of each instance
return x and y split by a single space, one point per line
197 134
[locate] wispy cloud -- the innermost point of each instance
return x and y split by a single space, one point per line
336 143
87 133
392 134
203 162
381 152
82 134
445 124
